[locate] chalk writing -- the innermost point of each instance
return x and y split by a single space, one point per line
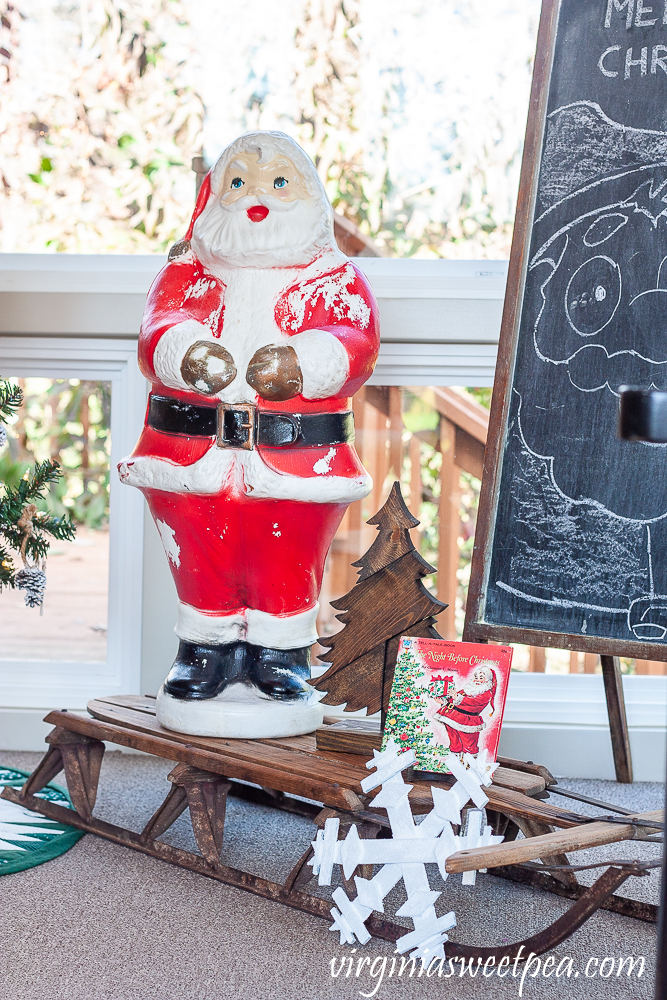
580 518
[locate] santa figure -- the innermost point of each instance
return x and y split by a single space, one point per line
255 335
460 712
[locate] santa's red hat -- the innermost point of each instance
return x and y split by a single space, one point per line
200 205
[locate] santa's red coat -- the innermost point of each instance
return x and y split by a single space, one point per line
251 530
170 302
466 713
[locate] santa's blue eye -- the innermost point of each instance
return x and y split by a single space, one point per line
236 183
280 182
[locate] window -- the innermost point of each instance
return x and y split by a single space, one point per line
46 662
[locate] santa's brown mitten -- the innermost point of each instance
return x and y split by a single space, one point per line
274 372
208 367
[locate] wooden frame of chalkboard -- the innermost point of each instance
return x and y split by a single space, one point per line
489 538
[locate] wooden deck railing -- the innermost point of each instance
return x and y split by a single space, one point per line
389 452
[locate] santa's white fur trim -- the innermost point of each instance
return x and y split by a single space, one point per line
324 363
261 481
210 474
210 630
243 473
171 349
284 631
250 625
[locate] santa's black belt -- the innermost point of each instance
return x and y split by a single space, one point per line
462 711
243 425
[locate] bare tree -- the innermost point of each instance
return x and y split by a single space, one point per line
413 111
100 121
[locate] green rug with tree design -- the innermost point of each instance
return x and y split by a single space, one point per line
27 838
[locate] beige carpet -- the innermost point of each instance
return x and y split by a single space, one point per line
106 923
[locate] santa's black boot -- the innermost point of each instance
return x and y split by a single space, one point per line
279 673
200 672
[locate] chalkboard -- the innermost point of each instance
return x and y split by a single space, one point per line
571 547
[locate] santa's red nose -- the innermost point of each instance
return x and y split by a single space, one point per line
257 212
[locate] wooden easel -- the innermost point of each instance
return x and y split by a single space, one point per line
551 43
618 723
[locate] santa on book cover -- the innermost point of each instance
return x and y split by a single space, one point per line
448 697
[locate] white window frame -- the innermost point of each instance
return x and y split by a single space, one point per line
47 684
78 316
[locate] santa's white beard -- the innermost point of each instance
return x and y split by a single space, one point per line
473 688
292 234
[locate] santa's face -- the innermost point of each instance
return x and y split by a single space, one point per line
247 176
263 215
481 679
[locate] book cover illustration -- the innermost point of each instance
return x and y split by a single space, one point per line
447 697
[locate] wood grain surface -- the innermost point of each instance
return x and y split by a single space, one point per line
293 765
560 842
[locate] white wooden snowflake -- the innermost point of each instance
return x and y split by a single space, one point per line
413 845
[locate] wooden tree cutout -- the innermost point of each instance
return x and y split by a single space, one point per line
388 601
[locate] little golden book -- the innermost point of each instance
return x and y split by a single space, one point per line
447 697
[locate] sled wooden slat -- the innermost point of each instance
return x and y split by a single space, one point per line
561 842
260 770
293 765
139 713
290 766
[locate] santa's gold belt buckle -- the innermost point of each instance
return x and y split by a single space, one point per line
236 425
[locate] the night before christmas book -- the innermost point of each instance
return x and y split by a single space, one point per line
447 697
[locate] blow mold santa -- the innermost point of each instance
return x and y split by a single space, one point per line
255 335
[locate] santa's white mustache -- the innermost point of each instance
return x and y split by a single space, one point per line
267 200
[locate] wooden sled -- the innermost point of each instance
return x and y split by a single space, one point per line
273 771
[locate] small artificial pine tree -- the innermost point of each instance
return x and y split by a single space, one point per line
23 527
